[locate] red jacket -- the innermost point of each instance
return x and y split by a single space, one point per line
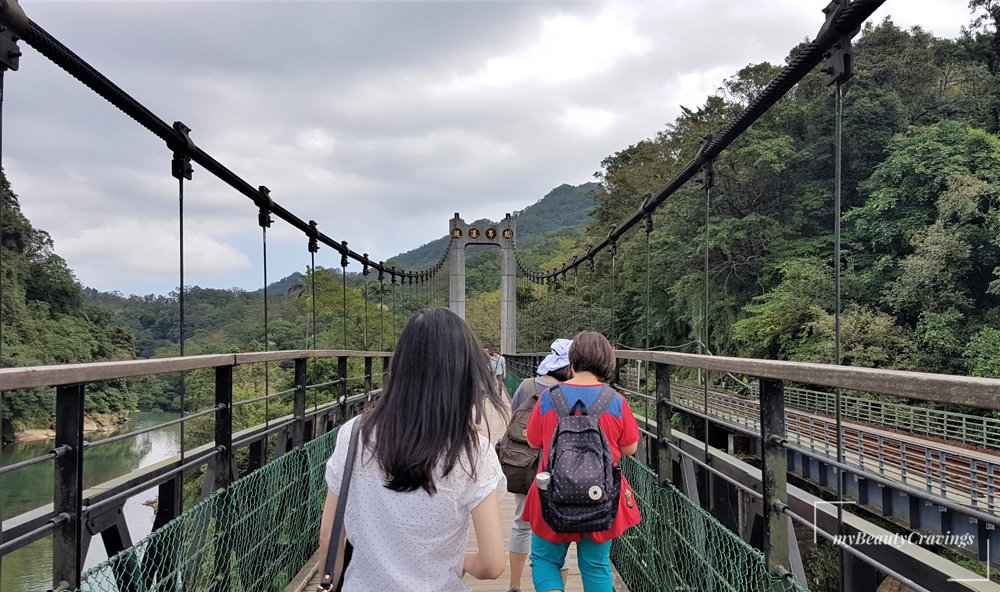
620 429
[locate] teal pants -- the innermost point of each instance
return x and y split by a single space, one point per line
548 558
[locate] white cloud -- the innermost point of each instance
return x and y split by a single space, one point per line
125 251
568 48
379 120
584 121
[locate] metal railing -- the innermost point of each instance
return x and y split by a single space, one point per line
778 432
967 477
974 430
98 508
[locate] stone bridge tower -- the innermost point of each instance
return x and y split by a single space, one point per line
499 235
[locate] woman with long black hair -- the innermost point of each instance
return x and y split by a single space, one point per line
423 472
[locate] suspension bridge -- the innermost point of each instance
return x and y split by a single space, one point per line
733 482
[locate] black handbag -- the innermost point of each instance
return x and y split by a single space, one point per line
330 562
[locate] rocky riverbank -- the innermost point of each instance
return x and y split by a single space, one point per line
97 423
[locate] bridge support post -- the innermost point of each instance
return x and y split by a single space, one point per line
342 399
774 474
664 454
224 426
299 403
456 282
368 378
508 300
67 496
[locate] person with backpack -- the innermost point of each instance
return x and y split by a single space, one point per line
409 507
518 460
582 427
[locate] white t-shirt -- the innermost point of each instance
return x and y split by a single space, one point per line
410 541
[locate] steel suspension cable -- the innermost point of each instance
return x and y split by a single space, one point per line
614 294
838 186
180 302
264 219
343 277
3 201
366 312
645 372
312 288
707 182
181 169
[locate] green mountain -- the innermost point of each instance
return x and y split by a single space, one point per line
564 207
45 320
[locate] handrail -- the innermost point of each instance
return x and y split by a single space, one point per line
49 376
940 388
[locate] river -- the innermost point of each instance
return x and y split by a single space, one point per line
30 569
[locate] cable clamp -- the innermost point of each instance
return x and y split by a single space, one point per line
313 237
265 203
343 255
364 270
839 60
10 53
180 165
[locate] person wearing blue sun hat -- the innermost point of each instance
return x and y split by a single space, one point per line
551 371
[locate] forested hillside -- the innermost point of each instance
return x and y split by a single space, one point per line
45 321
921 264
564 207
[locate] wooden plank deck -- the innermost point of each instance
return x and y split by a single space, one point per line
493 426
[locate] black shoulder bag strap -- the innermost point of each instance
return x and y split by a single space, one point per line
338 520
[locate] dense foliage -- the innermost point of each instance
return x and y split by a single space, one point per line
46 322
921 281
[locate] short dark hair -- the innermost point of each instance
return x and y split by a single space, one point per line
561 374
591 352
438 377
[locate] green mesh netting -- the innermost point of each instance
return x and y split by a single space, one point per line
258 533
511 382
678 546
253 536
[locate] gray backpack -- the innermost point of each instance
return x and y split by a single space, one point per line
585 487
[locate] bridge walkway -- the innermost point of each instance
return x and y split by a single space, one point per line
493 426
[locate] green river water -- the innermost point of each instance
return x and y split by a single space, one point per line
30 569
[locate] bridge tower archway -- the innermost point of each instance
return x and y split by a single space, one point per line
501 235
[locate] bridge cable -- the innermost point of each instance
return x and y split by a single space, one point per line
264 221
364 273
313 247
343 277
381 312
840 69
181 169
645 368
838 186
707 182
614 295
840 23
7 38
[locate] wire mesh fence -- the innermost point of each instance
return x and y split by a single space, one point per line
253 536
678 546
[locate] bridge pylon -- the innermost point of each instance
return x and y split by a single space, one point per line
501 235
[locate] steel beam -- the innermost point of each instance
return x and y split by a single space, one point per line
67 495
775 474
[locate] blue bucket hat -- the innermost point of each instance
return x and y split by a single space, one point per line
558 357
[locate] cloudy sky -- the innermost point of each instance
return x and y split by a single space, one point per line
377 119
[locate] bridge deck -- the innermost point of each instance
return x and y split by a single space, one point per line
493 426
